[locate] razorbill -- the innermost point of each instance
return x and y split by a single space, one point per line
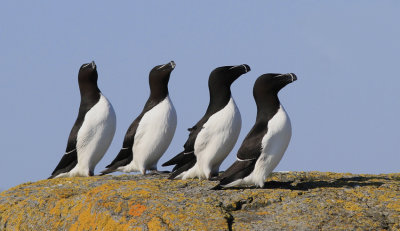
213 137
151 132
93 130
265 144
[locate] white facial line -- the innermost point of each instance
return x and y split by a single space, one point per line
239 66
70 152
188 152
124 148
86 65
162 66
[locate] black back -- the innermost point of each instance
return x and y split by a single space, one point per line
90 95
158 82
219 85
265 92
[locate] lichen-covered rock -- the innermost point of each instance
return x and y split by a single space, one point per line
289 201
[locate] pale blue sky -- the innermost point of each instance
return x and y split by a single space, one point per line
344 107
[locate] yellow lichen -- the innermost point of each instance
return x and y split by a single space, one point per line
155 224
395 206
351 206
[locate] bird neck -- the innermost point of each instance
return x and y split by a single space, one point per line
267 106
90 93
158 92
219 98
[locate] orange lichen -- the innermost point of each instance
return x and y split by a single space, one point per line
136 210
263 213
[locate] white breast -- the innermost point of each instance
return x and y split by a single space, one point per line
218 137
275 142
274 145
153 136
95 136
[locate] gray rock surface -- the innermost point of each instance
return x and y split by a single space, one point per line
289 201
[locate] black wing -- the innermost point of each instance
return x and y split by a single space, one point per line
186 159
189 145
247 155
194 131
67 163
251 146
179 158
125 155
70 158
123 158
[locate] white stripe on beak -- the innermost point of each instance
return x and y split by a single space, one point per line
244 67
291 76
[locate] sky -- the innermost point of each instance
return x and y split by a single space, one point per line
344 108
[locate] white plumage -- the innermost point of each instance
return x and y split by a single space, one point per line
215 141
274 145
153 136
94 137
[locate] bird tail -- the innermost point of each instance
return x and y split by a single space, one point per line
66 164
182 161
107 171
238 170
123 158
218 187
176 160
182 167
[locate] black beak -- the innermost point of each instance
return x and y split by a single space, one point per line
289 77
292 76
168 66
172 64
244 68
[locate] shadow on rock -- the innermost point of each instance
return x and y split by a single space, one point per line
304 185
352 182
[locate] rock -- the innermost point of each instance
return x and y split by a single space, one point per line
289 201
